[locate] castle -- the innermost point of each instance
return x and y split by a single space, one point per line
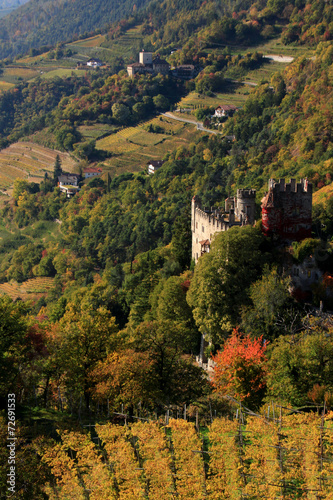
238 211
286 214
147 64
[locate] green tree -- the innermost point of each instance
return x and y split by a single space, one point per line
222 277
271 300
161 102
120 113
176 378
13 328
299 362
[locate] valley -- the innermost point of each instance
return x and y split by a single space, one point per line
166 249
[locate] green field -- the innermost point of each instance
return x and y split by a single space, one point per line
62 73
265 72
276 47
5 85
96 131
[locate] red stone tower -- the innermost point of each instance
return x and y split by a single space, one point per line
287 210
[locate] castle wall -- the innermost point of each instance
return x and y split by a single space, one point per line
205 225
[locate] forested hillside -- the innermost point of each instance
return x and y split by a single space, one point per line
102 311
41 22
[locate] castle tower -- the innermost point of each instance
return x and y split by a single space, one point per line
287 210
145 57
246 205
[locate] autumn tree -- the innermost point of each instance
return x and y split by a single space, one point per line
86 337
240 369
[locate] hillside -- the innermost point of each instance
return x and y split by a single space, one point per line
41 22
102 308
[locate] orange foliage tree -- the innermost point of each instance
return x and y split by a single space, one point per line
240 369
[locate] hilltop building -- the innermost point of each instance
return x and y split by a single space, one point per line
287 210
238 211
147 64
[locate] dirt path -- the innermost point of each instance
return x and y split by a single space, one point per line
193 122
281 59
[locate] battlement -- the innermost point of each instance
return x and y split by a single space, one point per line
303 186
246 193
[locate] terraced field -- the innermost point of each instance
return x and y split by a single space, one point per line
133 147
235 94
33 288
29 161
127 46
94 41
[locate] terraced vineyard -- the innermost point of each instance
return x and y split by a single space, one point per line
33 288
235 94
29 161
133 147
126 46
94 41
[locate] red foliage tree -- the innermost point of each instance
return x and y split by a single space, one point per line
240 369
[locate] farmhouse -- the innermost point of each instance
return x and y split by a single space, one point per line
92 172
68 184
225 110
94 62
185 71
133 69
161 66
154 165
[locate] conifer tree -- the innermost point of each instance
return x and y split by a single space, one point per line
57 170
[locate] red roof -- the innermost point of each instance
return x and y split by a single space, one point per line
93 170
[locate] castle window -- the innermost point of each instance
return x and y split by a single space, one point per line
196 240
309 274
196 225
203 229
196 255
